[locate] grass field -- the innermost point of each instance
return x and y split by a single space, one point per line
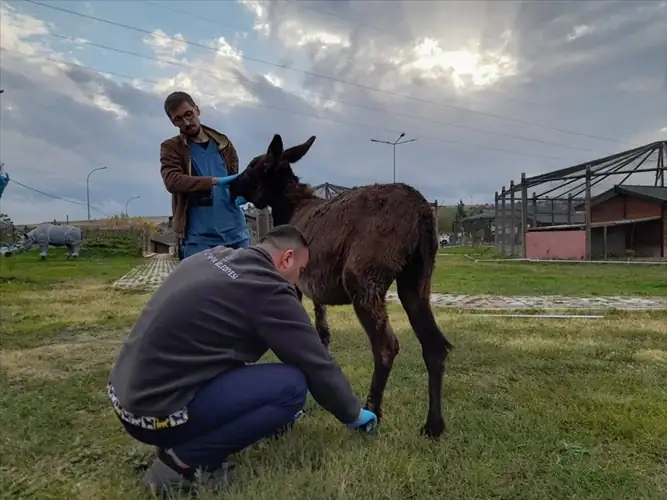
455 273
536 408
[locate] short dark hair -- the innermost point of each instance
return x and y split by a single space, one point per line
175 99
284 236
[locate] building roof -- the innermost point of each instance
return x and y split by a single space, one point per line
654 194
328 191
632 159
165 239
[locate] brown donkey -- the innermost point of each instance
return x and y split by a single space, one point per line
360 242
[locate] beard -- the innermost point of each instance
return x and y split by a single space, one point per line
192 130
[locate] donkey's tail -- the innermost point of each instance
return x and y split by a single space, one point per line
424 256
413 284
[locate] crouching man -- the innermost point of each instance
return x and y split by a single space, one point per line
182 381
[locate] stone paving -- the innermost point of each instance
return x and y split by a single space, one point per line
544 302
151 274
148 275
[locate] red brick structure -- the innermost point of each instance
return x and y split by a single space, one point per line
630 218
625 221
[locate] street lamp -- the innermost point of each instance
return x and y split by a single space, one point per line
393 145
88 187
128 202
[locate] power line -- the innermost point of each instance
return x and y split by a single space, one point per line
297 113
327 77
344 103
74 202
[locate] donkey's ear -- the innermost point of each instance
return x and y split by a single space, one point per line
275 151
295 153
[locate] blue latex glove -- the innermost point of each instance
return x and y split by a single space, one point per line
366 422
223 181
4 180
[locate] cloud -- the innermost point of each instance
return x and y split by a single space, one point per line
164 45
490 89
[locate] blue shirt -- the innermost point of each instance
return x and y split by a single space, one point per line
213 219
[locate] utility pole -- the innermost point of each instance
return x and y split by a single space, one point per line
397 142
88 188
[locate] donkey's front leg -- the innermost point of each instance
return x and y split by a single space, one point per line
321 324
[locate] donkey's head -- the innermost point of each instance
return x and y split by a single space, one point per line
266 179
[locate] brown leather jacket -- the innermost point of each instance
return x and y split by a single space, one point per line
176 171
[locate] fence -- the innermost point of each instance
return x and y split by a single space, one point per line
259 222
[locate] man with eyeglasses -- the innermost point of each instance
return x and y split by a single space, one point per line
196 165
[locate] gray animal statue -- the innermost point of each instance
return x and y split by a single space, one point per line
55 235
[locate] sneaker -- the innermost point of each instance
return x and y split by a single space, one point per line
165 476
163 479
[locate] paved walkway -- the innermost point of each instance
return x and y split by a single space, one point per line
149 276
544 302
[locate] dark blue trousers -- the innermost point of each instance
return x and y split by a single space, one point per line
231 412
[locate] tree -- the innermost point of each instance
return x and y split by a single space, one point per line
7 233
5 221
460 211
445 218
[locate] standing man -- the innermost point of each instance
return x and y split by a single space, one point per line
195 166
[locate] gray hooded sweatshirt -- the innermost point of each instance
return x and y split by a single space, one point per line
218 310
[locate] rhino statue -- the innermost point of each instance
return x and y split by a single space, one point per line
55 235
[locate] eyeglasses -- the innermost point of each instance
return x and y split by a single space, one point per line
188 115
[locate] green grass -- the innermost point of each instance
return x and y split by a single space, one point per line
43 297
536 408
459 275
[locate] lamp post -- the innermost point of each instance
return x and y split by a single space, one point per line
128 202
393 145
88 187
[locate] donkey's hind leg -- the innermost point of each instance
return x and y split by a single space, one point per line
435 347
368 299
322 324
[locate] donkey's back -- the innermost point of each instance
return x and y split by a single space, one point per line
375 229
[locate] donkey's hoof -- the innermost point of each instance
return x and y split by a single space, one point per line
43 257
433 430
378 411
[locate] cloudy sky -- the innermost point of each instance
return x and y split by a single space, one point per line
489 89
